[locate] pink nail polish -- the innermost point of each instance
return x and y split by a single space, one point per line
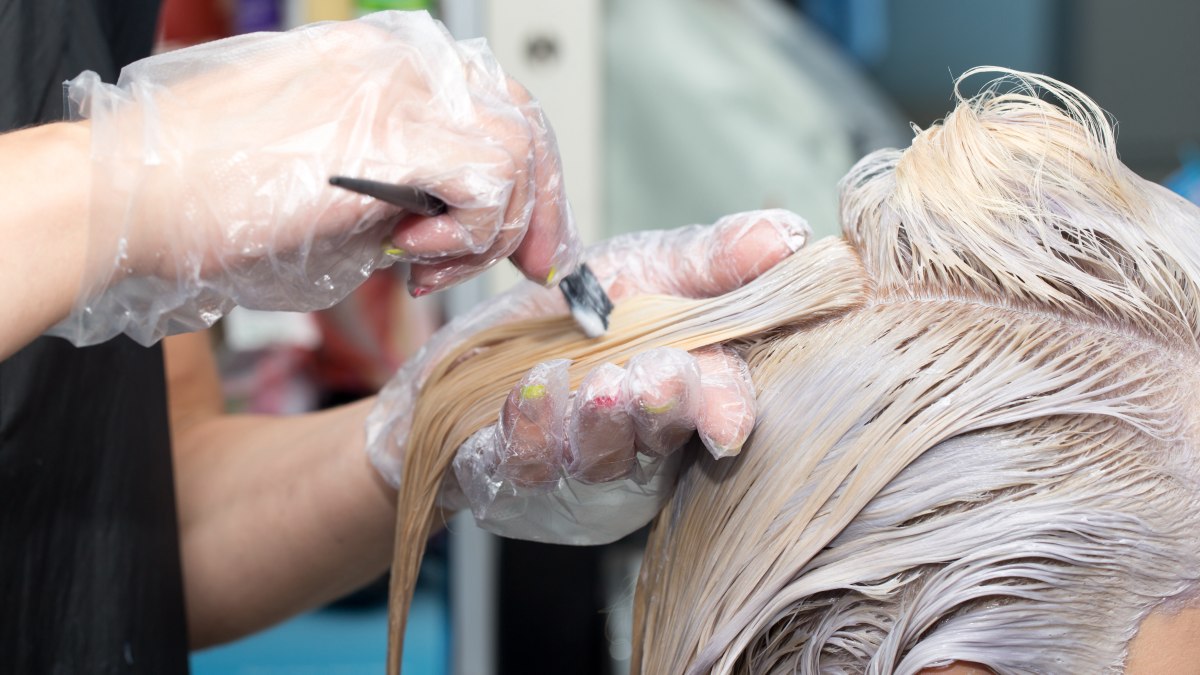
419 291
604 401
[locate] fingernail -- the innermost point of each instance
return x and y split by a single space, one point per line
660 409
721 452
418 291
794 237
794 229
553 273
393 251
532 392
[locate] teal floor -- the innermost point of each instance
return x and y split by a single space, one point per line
337 642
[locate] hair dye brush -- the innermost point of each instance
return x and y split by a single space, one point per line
590 305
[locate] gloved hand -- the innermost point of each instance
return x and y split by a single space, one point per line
210 169
593 465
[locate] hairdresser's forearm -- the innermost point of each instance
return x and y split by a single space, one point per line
277 515
44 193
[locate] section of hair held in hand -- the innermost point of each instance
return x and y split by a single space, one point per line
976 428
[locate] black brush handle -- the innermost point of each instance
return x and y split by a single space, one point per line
411 199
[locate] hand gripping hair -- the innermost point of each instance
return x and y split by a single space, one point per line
977 420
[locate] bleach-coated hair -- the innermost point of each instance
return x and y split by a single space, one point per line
977 417
994 458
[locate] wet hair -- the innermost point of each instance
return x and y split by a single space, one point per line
976 428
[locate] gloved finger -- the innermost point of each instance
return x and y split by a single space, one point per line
473 483
741 247
451 497
532 429
479 190
428 277
663 388
551 248
600 430
698 261
727 410
417 238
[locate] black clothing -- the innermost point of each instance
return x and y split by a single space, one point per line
90 577
44 42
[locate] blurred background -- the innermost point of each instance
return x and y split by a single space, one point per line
668 112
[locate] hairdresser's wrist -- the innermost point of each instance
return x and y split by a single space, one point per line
68 172
377 491
45 196
357 464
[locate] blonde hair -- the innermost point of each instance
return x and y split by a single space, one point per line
976 430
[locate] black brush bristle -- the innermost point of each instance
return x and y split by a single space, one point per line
590 305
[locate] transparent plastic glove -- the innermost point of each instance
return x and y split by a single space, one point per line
210 169
591 466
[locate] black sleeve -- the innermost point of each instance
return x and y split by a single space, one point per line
45 42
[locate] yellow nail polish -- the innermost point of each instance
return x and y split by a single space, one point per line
532 392
393 250
553 273
659 409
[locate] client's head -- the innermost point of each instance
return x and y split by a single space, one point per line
991 458
977 417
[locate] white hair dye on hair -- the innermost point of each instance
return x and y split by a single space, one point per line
978 418
993 460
